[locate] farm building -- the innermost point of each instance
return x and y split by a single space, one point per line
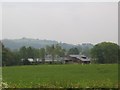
31 61
82 59
77 59
85 59
57 59
68 59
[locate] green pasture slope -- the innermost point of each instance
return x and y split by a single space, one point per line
58 76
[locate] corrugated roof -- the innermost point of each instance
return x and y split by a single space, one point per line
80 57
77 56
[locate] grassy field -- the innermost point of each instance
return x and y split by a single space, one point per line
58 76
0 74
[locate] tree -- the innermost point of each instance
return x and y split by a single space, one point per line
37 53
105 52
73 51
86 51
51 50
54 51
42 55
59 51
7 57
23 53
17 57
31 52
27 52
119 55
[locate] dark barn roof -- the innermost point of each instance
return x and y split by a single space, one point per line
79 57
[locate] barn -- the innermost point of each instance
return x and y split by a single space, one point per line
77 59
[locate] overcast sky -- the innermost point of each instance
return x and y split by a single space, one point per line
75 22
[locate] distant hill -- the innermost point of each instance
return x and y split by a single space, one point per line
36 43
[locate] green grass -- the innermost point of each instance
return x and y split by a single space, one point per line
70 75
0 74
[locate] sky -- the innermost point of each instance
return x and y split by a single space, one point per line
69 22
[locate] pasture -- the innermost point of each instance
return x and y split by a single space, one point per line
61 76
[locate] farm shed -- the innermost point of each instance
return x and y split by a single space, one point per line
77 59
85 59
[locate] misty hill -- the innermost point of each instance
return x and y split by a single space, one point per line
37 43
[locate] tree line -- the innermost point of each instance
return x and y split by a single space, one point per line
105 52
